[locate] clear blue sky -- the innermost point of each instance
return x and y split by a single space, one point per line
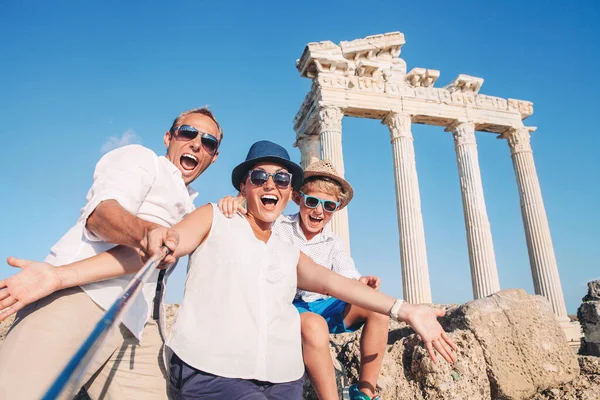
76 76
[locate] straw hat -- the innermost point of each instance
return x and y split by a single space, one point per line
324 168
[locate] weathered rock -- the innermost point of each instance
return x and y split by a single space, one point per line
409 373
585 387
588 315
593 293
525 350
509 330
4 325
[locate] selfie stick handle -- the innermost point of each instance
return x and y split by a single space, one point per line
69 380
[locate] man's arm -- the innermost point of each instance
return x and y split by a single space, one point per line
122 180
112 223
36 280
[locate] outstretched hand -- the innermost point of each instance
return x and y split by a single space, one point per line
35 281
423 320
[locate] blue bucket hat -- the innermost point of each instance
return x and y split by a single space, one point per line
267 151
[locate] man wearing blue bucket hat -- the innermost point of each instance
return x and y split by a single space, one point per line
237 333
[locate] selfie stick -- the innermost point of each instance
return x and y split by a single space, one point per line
69 381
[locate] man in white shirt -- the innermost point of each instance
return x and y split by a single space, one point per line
134 190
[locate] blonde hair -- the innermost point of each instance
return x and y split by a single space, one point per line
325 185
200 110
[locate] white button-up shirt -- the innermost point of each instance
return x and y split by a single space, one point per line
147 186
236 319
326 249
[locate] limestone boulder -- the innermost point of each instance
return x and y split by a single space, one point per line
525 349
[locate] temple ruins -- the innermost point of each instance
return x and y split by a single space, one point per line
365 78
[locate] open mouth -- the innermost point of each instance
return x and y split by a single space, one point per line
188 161
315 220
269 200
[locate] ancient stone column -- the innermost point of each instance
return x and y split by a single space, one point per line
330 133
546 280
484 274
413 253
310 148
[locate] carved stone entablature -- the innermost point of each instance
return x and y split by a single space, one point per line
465 84
363 78
369 68
384 47
318 50
421 77
525 108
375 56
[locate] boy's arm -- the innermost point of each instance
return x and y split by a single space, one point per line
423 319
229 205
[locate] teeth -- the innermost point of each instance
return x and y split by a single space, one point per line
269 197
317 218
191 156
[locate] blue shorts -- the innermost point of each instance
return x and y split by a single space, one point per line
332 310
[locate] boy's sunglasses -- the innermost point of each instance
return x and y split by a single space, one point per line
313 202
188 132
259 177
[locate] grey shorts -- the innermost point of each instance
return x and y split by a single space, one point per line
186 382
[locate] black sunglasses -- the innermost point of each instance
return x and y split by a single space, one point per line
188 132
313 202
259 177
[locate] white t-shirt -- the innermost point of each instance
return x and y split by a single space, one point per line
326 249
147 186
236 319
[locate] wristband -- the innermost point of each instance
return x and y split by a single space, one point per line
395 308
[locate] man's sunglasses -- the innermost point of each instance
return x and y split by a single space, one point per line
313 202
259 177
188 132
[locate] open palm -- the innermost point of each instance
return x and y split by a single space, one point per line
35 281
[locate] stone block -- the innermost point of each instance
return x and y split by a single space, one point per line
524 347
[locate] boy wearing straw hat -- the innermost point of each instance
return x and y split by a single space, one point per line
323 192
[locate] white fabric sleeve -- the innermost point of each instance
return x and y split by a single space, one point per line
343 264
126 175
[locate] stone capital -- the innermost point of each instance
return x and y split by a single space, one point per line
399 125
463 132
330 118
518 139
308 143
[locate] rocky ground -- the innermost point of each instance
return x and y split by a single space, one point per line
509 348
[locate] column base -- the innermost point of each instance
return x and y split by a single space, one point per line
572 330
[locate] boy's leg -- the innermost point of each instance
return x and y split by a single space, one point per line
373 342
317 358
41 341
135 370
